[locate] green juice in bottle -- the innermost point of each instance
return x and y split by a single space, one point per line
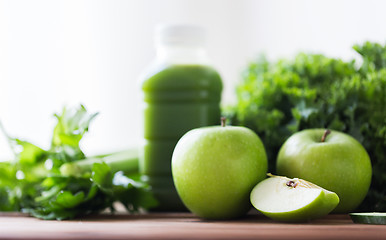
181 91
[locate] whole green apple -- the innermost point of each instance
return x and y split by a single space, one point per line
331 159
215 168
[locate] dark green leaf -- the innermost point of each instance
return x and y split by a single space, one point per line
68 200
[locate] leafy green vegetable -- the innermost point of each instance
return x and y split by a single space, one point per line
72 125
312 91
60 184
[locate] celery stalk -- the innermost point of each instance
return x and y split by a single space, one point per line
126 161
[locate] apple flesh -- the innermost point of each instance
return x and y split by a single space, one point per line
215 168
330 159
292 200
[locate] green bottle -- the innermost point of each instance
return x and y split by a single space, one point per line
181 91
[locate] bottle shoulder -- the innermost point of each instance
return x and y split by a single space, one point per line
181 76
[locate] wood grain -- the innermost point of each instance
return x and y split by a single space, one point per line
183 226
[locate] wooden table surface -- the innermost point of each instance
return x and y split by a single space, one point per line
183 226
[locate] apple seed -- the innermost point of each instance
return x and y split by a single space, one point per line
291 183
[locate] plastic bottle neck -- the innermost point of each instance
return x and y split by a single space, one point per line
181 54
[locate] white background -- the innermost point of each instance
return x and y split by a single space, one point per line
55 53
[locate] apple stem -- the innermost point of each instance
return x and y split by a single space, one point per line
223 121
325 135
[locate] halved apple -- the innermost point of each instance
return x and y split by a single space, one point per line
292 200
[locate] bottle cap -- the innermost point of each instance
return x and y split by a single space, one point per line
180 35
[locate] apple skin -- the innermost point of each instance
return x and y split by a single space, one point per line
215 168
339 164
302 203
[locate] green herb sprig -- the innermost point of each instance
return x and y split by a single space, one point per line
61 183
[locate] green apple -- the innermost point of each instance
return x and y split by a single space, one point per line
215 168
292 200
330 159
